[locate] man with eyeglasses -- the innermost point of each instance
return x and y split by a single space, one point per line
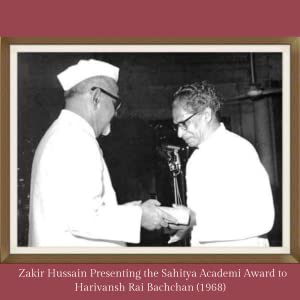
228 189
72 201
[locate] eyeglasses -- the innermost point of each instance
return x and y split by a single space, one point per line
182 124
117 103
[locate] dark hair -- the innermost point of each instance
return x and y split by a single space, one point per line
196 97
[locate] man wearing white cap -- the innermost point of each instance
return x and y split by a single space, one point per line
72 201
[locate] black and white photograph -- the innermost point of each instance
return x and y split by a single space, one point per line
150 149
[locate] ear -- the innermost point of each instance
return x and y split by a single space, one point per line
96 96
208 114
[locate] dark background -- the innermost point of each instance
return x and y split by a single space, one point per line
147 81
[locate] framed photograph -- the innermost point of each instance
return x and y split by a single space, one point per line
257 80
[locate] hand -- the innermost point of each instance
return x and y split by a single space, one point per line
180 213
178 232
154 218
185 209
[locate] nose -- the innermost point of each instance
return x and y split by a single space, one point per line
179 132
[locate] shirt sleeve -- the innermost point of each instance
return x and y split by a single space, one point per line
117 223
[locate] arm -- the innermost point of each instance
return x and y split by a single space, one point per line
85 198
93 211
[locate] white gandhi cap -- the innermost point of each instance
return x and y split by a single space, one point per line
85 69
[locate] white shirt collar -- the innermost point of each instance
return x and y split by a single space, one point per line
77 120
213 136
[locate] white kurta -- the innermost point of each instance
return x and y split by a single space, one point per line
229 190
72 201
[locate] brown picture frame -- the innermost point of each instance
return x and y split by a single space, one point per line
7 257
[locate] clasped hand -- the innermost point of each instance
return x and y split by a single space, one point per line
178 231
153 217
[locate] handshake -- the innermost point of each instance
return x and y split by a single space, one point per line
178 220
